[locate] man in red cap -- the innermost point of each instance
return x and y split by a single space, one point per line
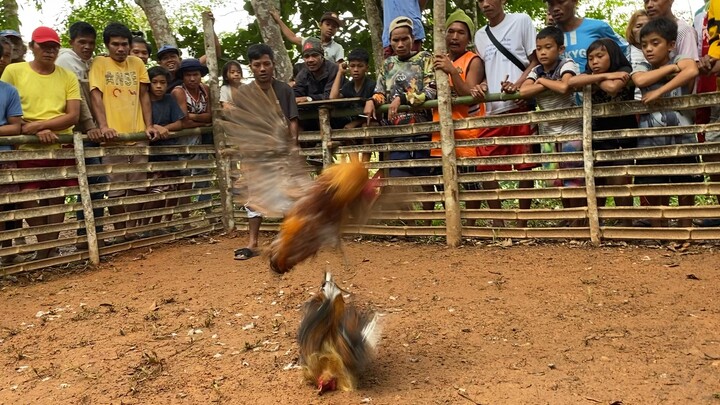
50 98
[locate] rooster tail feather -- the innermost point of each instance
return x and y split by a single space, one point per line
371 333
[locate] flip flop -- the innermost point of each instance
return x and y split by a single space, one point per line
244 254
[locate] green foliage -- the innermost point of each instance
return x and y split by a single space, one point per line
99 13
9 15
608 10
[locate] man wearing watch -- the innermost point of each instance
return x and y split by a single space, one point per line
316 80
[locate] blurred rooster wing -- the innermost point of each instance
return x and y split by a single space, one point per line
337 342
274 179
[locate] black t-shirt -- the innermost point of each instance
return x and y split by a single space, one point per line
612 123
286 97
366 91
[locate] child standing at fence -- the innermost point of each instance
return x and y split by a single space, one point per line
608 70
232 79
665 76
10 124
549 83
166 117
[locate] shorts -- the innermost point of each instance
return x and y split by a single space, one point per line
45 184
163 188
114 178
506 150
664 179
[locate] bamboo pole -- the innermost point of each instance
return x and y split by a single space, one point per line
222 162
325 135
588 163
453 221
86 200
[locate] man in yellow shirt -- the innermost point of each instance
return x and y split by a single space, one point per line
50 98
119 89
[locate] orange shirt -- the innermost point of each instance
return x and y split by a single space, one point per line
461 111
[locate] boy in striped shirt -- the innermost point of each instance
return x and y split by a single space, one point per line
549 84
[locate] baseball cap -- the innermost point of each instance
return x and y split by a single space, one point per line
10 33
165 49
460 16
45 34
312 45
399 22
331 15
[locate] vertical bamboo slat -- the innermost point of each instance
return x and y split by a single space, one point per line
222 162
588 162
93 248
325 134
453 222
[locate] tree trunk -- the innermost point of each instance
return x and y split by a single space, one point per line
272 36
375 24
158 22
10 11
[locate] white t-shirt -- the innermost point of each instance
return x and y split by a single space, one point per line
516 33
226 94
686 43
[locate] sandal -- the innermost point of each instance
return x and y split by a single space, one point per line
244 254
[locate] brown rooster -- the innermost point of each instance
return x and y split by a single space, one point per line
337 342
275 180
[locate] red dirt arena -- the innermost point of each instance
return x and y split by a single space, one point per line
487 323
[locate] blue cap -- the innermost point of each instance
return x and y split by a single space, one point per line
165 49
10 33
191 65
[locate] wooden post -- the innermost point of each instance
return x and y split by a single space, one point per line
325 135
588 163
453 224
93 248
222 162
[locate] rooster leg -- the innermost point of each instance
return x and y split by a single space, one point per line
346 262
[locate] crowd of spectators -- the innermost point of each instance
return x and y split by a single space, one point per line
61 90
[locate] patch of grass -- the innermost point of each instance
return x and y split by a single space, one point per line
151 365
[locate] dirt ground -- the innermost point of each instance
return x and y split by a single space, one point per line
486 323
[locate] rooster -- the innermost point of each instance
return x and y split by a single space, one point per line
337 342
274 179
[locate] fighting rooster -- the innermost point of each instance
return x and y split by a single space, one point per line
337 342
275 180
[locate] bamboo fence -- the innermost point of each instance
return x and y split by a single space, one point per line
398 218
196 195
547 218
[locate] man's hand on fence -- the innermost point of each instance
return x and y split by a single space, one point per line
162 132
47 136
31 128
152 133
95 134
393 109
108 133
478 91
706 64
369 111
